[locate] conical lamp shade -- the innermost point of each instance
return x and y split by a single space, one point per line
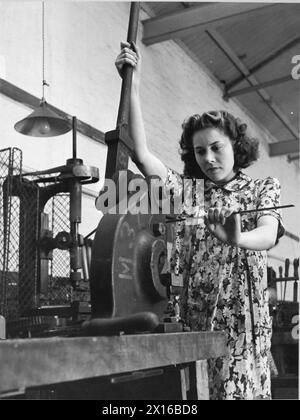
43 123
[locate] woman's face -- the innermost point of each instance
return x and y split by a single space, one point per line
214 154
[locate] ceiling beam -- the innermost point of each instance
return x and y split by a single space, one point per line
273 82
19 95
268 59
241 67
284 147
187 21
292 158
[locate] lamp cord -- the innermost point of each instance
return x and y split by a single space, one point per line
43 42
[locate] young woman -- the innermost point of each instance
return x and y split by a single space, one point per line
224 270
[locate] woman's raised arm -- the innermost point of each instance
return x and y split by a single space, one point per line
144 159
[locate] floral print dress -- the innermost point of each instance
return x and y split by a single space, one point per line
225 287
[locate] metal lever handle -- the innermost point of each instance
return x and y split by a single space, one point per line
123 113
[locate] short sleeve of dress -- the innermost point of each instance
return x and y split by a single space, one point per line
269 196
187 193
174 185
174 182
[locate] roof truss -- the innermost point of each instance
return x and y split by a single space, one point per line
284 147
189 20
268 59
241 67
259 86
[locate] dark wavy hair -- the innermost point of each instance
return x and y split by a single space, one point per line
245 149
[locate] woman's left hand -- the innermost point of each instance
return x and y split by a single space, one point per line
224 225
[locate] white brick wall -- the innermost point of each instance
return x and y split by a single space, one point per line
82 40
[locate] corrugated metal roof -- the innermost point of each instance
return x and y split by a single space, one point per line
252 38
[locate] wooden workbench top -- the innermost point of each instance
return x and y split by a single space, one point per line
33 362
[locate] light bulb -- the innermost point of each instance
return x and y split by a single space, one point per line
44 127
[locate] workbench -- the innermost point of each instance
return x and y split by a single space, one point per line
37 362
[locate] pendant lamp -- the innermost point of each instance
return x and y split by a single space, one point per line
43 122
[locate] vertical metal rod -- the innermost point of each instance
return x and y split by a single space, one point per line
74 127
123 113
84 259
295 291
75 214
